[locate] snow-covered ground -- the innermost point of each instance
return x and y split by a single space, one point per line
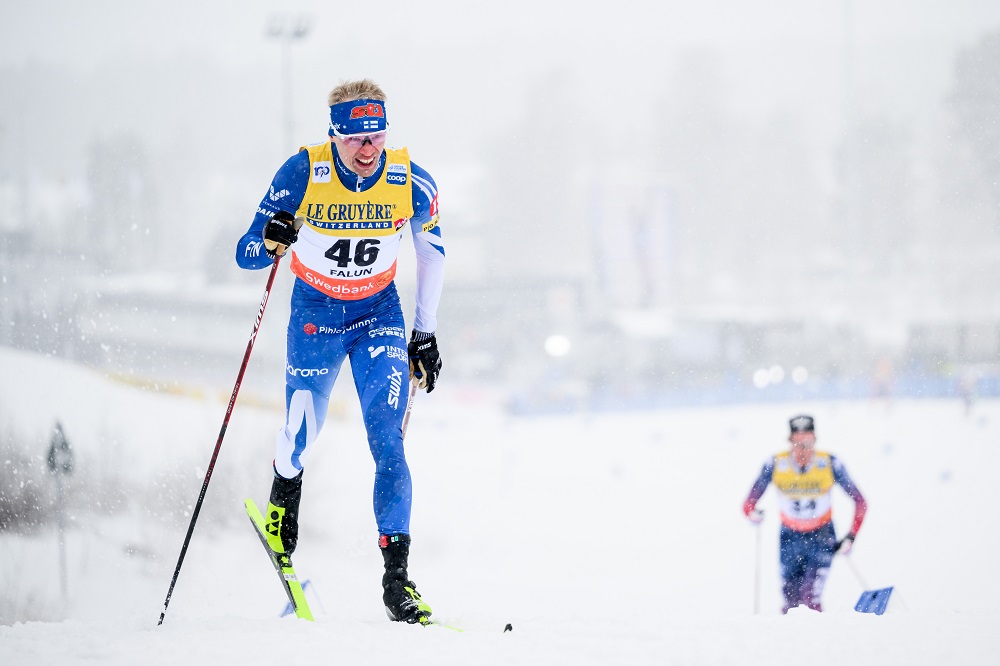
615 538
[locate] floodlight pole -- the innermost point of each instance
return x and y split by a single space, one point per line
287 30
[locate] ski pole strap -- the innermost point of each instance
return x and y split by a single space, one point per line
385 539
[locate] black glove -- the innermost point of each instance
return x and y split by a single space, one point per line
844 545
425 361
279 233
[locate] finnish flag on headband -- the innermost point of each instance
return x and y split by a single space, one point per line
359 116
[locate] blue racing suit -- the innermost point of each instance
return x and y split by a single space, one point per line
807 539
368 329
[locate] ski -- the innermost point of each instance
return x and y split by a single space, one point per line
428 622
282 564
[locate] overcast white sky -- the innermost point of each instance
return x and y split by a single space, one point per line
82 33
790 55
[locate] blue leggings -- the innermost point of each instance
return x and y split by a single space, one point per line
805 563
322 332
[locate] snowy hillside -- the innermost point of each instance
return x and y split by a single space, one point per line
602 539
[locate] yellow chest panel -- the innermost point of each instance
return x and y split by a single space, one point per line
348 246
331 209
815 481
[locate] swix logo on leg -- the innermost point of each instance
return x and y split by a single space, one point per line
395 384
371 110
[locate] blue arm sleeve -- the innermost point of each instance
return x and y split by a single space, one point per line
287 189
759 486
429 246
841 476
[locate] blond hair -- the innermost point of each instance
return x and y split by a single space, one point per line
352 90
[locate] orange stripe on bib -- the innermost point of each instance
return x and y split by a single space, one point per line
806 524
345 290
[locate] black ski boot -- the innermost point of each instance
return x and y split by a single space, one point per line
402 601
281 522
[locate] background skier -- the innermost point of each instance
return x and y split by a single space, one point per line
805 478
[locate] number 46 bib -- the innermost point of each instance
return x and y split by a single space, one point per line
348 245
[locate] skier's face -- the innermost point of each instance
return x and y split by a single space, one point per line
360 155
803 444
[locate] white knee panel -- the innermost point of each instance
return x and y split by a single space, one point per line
288 461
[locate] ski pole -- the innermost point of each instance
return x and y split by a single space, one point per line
756 572
222 433
857 574
864 585
409 407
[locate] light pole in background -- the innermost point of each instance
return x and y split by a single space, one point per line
287 29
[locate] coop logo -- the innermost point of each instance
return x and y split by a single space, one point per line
306 372
396 174
395 384
321 172
274 196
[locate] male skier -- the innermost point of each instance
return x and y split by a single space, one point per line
354 199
